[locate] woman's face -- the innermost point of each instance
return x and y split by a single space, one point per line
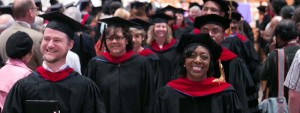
179 17
116 42
197 64
160 29
137 39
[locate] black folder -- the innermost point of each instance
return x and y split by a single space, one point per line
41 106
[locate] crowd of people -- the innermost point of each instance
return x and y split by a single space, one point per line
81 58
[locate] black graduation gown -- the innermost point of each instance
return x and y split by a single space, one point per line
168 57
84 48
244 48
269 70
126 87
179 30
154 61
237 74
75 94
169 100
248 31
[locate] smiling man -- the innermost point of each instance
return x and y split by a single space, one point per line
55 80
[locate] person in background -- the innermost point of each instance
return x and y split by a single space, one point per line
292 77
138 34
286 38
83 43
196 91
24 12
19 49
287 12
86 9
244 28
138 10
194 11
180 26
55 80
6 20
38 24
124 77
162 43
267 34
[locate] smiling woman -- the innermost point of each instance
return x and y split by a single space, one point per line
124 77
195 91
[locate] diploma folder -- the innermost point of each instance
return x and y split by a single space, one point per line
41 106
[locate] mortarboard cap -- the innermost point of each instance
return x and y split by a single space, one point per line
137 5
63 23
180 10
234 4
212 19
262 9
221 3
18 45
202 38
142 24
236 16
120 22
192 4
169 8
6 9
160 18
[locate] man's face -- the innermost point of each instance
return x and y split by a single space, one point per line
234 25
55 46
211 7
215 31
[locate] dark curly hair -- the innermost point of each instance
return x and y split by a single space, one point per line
126 35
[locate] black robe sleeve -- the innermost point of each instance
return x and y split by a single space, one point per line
238 76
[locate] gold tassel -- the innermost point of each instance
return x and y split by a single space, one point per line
222 77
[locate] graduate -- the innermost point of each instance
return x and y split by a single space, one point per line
196 91
180 26
161 41
235 69
124 77
54 80
238 43
138 34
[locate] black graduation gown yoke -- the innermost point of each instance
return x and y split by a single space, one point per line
84 48
169 100
75 94
168 63
126 87
269 70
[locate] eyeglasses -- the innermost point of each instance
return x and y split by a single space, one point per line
35 8
213 31
117 38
